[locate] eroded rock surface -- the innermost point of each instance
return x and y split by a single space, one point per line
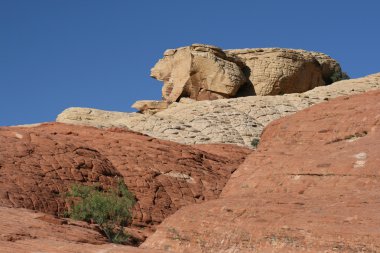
205 72
38 164
201 72
38 167
24 231
312 186
235 121
276 71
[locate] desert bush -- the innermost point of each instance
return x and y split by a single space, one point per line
110 209
255 142
338 76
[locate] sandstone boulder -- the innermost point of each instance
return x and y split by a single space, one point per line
198 71
312 186
39 163
276 71
205 72
235 121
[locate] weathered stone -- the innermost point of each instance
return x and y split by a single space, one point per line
150 106
331 70
199 72
37 169
236 121
38 165
312 186
276 71
205 72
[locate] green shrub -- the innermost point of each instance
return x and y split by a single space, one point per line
110 209
255 142
338 76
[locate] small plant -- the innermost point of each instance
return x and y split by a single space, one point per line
110 209
338 76
255 142
175 235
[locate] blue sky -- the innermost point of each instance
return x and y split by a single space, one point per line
56 54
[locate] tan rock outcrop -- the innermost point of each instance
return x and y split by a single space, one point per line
235 121
276 71
312 186
201 72
205 72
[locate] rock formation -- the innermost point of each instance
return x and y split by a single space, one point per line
277 71
235 121
312 186
205 72
199 72
38 164
37 167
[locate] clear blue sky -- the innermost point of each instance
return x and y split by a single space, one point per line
56 54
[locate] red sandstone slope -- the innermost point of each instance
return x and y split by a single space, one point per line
25 231
38 164
312 186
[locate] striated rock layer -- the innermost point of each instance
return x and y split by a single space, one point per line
235 121
38 164
27 231
312 186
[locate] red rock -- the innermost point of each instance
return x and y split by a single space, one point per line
38 164
37 167
312 186
24 230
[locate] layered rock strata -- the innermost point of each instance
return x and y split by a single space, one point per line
235 121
